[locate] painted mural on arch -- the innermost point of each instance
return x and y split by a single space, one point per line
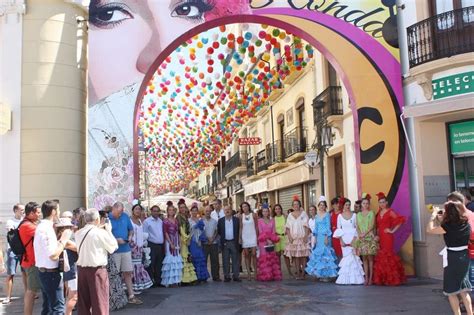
136 38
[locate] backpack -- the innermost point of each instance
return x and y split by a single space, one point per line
14 240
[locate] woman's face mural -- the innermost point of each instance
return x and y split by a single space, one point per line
154 23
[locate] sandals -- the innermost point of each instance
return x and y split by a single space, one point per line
134 300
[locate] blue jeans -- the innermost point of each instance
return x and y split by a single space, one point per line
53 293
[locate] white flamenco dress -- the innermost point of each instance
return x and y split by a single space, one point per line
351 271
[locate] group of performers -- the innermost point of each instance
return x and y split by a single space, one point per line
350 247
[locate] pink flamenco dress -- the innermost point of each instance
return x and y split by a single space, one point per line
268 264
388 267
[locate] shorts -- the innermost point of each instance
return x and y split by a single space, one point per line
33 282
12 263
72 284
123 261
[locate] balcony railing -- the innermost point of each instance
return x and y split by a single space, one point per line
277 152
262 161
251 166
296 141
327 103
443 35
237 160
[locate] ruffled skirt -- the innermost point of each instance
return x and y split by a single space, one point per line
199 261
388 269
367 246
268 267
322 263
351 271
141 278
171 272
297 248
117 296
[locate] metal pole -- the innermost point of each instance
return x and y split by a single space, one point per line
321 157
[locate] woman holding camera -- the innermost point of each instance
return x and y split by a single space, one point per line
453 225
268 263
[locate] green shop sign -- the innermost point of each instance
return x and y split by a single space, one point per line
456 84
461 136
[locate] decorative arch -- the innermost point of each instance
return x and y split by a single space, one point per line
376 103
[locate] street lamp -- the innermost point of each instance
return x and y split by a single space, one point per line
324 137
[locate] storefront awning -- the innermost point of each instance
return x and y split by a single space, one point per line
256 187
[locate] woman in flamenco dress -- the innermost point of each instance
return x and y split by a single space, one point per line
322 262
189 274
388 267
172 269
268 263
195 248
336 209
351 271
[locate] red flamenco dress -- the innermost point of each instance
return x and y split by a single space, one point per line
388 267
336 243
268 264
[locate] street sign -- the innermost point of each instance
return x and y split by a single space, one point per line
250 141
311 158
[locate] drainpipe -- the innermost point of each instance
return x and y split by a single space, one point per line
413 173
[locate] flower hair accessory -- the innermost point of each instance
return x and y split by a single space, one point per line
135 202
341 202
169 203
322 198
181 202
296 198
366 196
381 195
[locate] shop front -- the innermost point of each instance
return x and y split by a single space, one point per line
461 149
292 181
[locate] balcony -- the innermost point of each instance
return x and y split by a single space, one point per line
296 144
252 168
262 162
276 156
236 164
440 36
328 103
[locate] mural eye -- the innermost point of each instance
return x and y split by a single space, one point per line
191 9
108 16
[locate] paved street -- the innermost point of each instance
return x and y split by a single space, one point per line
287 297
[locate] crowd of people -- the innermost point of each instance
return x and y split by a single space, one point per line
99 261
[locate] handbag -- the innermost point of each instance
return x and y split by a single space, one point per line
269 248
63 263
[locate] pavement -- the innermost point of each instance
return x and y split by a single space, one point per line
417 297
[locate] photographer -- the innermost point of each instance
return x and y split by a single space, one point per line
47 250
95 240
453 224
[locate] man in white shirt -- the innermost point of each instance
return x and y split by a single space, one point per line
94 242
153 225
218 211
47 251
12 259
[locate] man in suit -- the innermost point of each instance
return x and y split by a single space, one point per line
228 230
